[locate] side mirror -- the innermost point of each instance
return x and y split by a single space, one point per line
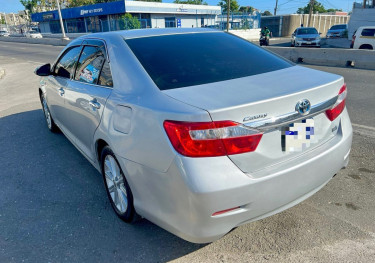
44 70
320 33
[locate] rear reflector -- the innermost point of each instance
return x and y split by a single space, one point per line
339 105
225 211
208 139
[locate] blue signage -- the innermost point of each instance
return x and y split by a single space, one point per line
178 22
109 8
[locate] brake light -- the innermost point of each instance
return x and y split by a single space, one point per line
208 139
339 105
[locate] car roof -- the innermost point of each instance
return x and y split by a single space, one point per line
139 33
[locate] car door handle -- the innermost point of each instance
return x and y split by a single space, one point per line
94 103
61 91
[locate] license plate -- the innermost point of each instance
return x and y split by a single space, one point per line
297 136
308 43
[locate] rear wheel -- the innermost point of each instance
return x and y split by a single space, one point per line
117 187
47 115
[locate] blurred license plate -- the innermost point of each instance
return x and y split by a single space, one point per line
298 136
308 43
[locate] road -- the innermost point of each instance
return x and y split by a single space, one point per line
53 206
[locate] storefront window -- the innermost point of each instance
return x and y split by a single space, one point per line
170 22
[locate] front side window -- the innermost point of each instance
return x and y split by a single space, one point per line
65 66
89 65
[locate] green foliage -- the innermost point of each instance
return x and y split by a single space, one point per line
190 2
75 3
2 21
150 0
246 9
127 21
318 7
233 5
29 5
266 13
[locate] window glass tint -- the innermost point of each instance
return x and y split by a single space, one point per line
307 31
338 27
90 64
105 77
368 32
181 60
65 67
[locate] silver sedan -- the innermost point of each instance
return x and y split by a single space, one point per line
197 130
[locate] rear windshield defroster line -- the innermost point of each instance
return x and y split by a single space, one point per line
181 60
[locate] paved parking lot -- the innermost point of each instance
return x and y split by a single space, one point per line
53 206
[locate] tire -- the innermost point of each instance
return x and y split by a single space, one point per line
292 44
47 115
366 46
118 190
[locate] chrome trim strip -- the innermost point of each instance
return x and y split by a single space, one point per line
281 120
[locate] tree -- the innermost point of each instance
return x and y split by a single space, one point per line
150 0
245 9
29 5
189 2
127 21
75 3
318 7
233 5
2 21
266 13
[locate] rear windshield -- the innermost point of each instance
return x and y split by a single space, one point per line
307 31
181 60
338 27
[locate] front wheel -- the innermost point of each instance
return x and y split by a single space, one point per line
47 115
117 187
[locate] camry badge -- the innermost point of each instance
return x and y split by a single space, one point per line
303 107
259 116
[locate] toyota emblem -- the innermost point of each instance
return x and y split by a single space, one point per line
303 107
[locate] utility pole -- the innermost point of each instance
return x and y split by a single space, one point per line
61 21
228 11
311 11
274 13
364 3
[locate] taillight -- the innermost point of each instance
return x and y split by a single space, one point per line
207 139
339 105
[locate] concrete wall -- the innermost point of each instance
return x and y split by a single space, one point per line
44 41
361 17
248 34
290 22
357 58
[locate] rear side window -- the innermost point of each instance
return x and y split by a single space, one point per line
65 66
368 32
89 65
105 77
175 61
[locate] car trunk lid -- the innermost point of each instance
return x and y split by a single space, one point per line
267 102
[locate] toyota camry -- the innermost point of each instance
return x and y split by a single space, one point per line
197 130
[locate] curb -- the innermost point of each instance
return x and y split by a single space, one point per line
2 73
43 41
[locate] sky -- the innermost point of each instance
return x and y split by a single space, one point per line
285 6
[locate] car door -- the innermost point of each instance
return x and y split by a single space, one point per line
86 95
55 83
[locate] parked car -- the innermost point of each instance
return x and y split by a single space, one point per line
33 34
305 37
364 38
195 139
337 31
4 33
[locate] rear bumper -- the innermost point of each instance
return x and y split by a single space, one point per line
183 199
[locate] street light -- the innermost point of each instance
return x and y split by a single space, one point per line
64 37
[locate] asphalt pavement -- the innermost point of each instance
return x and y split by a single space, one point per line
53 205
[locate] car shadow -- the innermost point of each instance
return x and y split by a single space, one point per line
54 206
